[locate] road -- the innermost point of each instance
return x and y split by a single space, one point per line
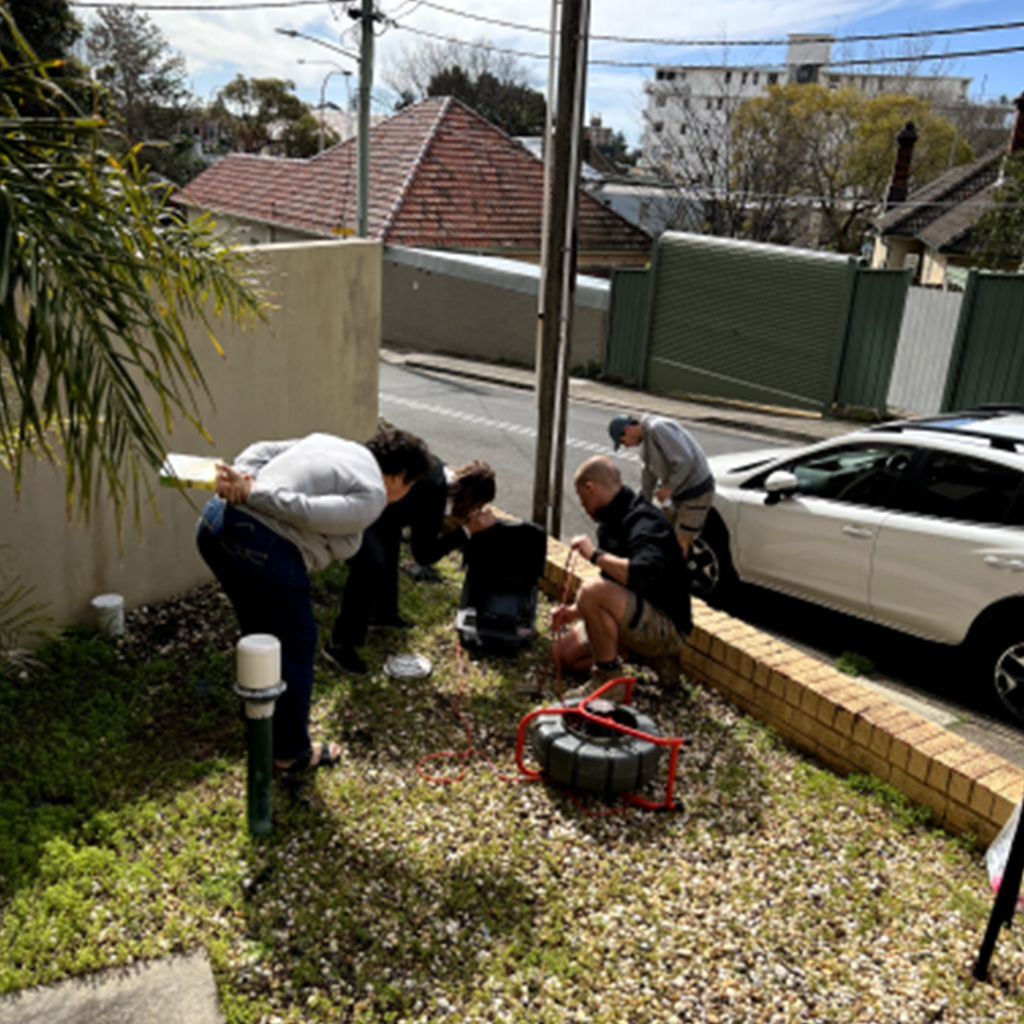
465 419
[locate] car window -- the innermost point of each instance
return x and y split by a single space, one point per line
953 486
861 474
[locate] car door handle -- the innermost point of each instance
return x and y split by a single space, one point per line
1006 564
860 532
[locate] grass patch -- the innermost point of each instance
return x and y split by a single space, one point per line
853 664
382 896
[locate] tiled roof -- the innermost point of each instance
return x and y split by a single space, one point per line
441 177
943 211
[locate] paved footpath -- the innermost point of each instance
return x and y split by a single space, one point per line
175 990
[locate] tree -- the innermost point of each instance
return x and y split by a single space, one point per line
999 233
47 26
51 31
690 139
836 149
265 114
492 85
97 287
149 101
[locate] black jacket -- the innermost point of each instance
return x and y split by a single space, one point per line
632 528
423 511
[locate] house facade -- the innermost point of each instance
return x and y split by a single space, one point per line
932 230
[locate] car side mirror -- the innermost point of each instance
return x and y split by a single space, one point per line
780 484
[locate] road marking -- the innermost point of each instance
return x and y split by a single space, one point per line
503 425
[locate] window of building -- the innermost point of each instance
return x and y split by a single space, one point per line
728 77
756 77
773 78
743 80
660 102
659 126
720 102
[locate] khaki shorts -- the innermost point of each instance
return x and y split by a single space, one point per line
652 635
687 517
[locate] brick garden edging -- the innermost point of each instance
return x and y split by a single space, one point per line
846 725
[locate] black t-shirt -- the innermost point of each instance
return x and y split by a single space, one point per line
632 528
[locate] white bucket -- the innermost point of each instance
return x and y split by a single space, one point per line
109 609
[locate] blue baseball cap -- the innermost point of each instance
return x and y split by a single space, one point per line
617 428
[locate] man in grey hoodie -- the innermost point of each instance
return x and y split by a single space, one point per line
284 510
674 469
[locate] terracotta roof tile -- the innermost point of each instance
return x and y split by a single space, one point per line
441 177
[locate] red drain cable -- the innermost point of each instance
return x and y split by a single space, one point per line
465 755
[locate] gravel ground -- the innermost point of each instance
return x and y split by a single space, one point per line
780 893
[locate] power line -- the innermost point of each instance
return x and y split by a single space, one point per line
878 37
656 63
255 5
651 41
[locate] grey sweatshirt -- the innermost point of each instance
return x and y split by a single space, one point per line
320 492
669 454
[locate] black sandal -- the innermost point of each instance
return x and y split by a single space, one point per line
306 763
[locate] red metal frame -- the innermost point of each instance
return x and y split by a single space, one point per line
581 709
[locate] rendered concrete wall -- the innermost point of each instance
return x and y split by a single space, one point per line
312 366
480 309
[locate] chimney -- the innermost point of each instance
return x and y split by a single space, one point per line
901 171
1017 131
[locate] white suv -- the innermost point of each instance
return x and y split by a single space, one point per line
917 525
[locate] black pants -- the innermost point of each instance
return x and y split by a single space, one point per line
371 592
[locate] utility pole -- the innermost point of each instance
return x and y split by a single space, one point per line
367 17
559 261
568 296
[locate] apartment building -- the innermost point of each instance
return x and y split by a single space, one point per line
689 107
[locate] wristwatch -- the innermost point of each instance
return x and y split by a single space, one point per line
595 556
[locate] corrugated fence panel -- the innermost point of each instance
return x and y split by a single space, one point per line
988 359
923 351
628 310
871 336
746 321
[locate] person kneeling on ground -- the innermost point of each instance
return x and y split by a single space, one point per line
640 603
443 511
284 510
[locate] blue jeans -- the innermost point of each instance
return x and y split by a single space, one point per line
266 581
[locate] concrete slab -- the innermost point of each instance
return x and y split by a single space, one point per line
175 990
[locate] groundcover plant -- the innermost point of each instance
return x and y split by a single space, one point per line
780 892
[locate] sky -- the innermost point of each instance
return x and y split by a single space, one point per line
219 42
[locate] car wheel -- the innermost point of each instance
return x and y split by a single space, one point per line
712 576
999 651
596 758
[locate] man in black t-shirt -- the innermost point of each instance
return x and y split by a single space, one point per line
641 602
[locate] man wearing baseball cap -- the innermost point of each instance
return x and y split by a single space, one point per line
674 469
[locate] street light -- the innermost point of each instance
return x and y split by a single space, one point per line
323 86
366 16
295 34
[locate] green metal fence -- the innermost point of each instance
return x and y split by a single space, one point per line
745 321
628 311
873 330
987 364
